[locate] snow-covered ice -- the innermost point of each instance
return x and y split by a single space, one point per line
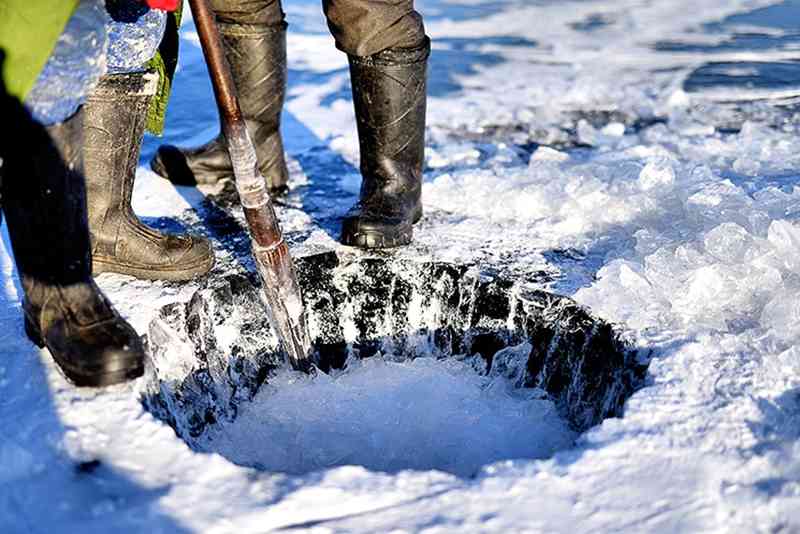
666 200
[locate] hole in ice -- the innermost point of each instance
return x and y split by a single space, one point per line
427 366
388 416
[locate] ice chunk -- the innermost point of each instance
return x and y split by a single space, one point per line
706 293
730 243
782 316
623 293
747 166
500 155
648 241
464 153
657 175
752 132
669 268
658 134
679 99
587 134
511 363
544 153
785 237
686 124
724 201
614 129
611 134
722 297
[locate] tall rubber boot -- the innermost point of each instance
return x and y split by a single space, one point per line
257 57
45 205
389 94
113 131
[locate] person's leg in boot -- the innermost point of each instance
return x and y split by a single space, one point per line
388 52
254 37
45 206
114 124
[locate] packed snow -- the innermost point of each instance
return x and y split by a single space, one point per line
666 199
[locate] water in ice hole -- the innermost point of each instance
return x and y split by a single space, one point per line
389 415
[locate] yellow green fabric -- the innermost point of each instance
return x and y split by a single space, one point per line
165 62
29 30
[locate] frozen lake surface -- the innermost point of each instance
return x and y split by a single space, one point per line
642 158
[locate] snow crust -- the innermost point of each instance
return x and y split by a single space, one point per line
672 212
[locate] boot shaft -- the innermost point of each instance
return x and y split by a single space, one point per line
114 124
389 96
257 57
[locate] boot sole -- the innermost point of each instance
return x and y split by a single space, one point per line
399 236
378 240
107 265
82 378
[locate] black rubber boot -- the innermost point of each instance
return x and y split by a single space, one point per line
114 123
389 93
45 205
257 57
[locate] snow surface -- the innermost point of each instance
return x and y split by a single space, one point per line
668 201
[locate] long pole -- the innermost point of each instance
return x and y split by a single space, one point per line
273 261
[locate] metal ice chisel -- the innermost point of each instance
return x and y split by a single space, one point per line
273 261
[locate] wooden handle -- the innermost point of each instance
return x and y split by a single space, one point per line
218 68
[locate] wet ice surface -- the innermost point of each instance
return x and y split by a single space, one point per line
391 416
667 200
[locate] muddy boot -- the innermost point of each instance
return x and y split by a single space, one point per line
257 57
45 205
115 115
389 94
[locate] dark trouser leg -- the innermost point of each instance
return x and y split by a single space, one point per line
254 36
366 27
388 52
45 206
262 12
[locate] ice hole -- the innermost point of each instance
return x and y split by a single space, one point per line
389 416
426 366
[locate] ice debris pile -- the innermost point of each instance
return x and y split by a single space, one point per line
714 246
694 231
443 368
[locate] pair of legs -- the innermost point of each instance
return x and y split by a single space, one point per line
68 173
388 50
66 194
99 64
